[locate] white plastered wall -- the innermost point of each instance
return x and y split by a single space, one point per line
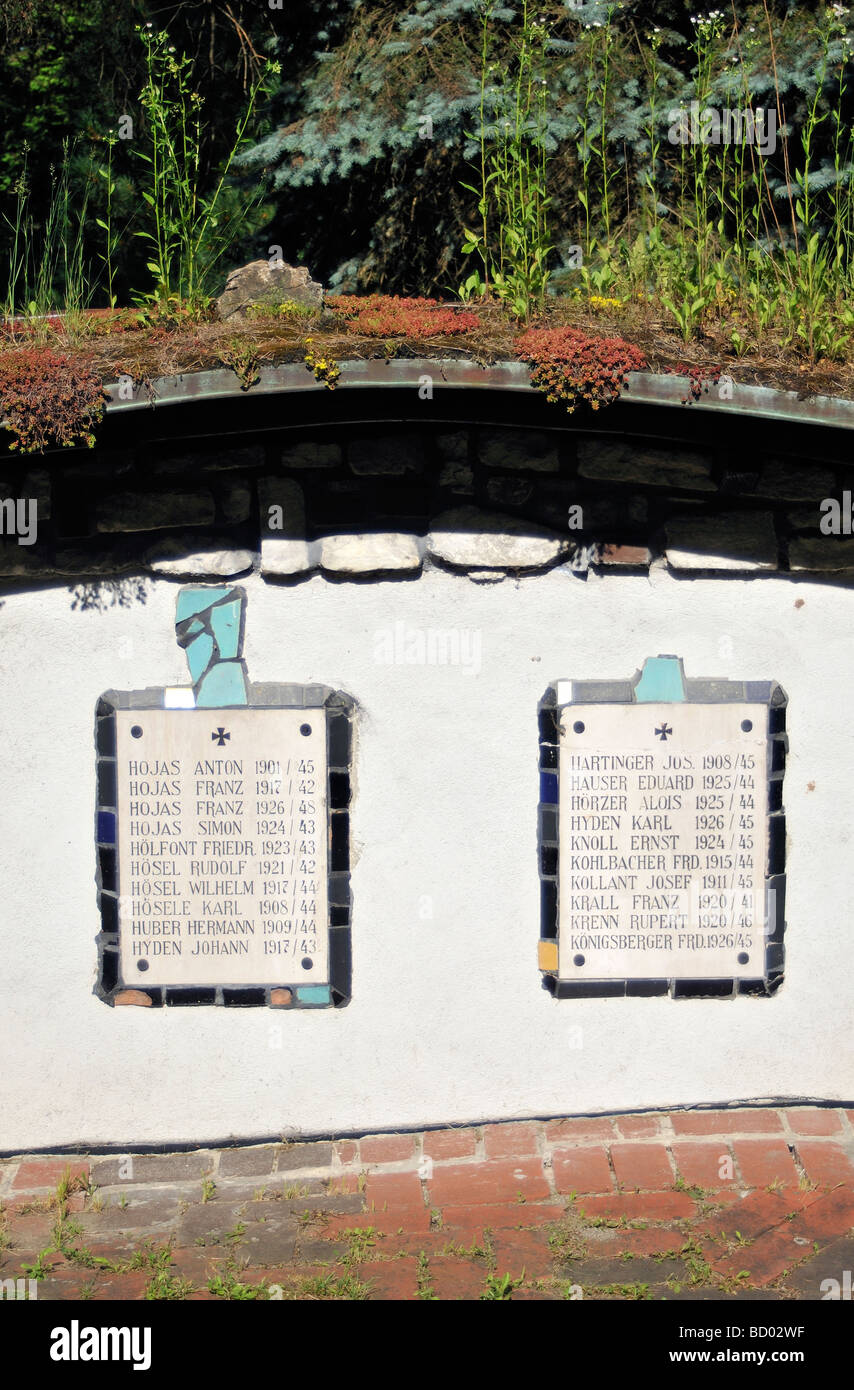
448 1020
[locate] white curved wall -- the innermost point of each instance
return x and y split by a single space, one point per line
448 1020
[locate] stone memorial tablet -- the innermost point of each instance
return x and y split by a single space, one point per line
222 853
661 832
223 831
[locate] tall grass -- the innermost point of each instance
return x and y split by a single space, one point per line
741 236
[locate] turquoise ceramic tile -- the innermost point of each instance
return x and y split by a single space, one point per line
199 653
224 684
225 625
192 601
314 994
195 626
661 679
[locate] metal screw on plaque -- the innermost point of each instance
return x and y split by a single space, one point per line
743 957
142 965
136 731
578 727
307 964
578 960
747 725
305 730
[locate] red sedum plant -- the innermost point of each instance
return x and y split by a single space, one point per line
572 367
387 316
48 400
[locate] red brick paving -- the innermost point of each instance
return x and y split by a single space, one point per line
700 1164
582 1170
501 1189
645 1166
765 1161
737 1121
814 1121
494 1180
450 1143
825 1163
387 1148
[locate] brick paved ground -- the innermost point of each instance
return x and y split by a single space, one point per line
739 1204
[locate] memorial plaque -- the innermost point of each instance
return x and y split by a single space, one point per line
222 846
223 831
659 866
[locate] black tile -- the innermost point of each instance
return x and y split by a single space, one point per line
184 998
340 961
339 790
646 989
109 913
339 740
339 848
548 725
109 969
702 989
591 989
548 908
107 866
776 844
106 736
106 782
244 998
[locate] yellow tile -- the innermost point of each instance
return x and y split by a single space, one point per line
548 955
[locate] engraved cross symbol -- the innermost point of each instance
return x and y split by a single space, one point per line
220 736
663 732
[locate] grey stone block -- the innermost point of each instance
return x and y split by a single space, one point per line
457 476
822 554
794 482
453 447
180 556
235 502
532 450
390 457
195 463
284 548
470 539
622 463
312 453
509 492
739 541
373 553
154 511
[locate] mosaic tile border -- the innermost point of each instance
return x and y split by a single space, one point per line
662 679
340 713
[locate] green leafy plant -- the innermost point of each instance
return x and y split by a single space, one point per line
188 232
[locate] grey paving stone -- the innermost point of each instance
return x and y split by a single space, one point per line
269 1242
184 1167
829 1263
210 1222
293 1157
145 1208
258 1160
